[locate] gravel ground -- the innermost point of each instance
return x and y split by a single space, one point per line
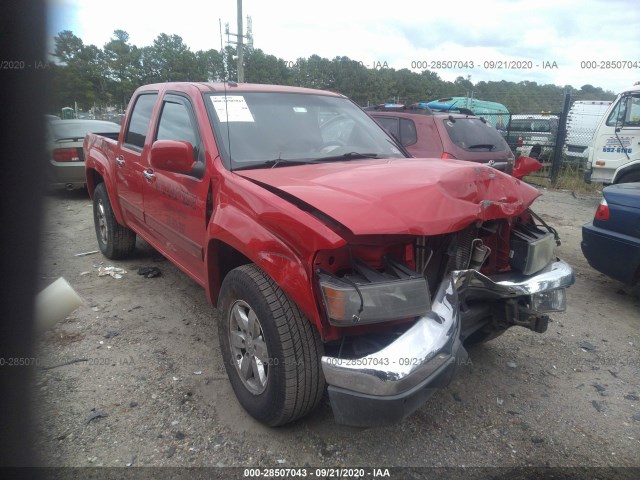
148 386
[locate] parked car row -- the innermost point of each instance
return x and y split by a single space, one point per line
611 243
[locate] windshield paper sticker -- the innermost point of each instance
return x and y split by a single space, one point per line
234 109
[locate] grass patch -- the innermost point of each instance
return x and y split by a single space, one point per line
570 177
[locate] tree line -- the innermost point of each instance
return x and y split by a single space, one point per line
97 78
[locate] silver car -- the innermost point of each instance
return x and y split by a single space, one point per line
532 135
66 158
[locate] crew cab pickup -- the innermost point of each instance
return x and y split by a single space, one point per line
336 262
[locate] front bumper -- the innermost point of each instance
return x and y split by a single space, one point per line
386 386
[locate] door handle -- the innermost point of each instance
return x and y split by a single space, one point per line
149 175
120 160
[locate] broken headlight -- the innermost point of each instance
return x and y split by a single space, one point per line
369 296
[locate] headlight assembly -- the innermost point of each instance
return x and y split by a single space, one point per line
369 296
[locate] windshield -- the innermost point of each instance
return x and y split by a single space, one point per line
267 128
530 125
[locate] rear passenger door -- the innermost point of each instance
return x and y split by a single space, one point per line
132 157
175 203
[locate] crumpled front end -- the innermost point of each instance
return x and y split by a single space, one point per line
406 319
387 385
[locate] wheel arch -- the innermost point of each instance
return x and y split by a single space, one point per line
95 175
232 244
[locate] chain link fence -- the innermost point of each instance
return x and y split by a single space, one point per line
559 140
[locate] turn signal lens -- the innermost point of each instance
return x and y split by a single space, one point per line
550 301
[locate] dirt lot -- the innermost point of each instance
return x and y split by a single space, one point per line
149 370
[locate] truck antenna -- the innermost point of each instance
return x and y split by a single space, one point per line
224 83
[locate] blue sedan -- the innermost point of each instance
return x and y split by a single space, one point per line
611 243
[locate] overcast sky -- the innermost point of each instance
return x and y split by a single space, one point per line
407 32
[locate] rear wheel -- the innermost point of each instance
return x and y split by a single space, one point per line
115 240
270 349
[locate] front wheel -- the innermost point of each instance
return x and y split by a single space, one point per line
115 241
271 351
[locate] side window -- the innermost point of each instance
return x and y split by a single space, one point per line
390 124
617 114
408 135
633 109
140 118
175 124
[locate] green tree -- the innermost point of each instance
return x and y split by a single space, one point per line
78 77
173 61
262 68
209 66
123 66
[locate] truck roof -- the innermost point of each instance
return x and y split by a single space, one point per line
592 102
635 88
236 87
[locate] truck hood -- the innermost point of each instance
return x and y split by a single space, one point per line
399 196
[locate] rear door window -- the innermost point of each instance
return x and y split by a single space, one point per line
139 123
520 126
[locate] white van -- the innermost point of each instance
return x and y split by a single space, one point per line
614 155
582 120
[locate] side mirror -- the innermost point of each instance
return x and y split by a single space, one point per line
172 156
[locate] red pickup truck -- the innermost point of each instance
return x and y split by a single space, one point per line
336 262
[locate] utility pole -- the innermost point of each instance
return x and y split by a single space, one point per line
240 40
240 44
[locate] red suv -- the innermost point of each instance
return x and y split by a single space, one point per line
426 133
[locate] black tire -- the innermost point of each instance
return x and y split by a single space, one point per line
115 241
629 177
287 342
